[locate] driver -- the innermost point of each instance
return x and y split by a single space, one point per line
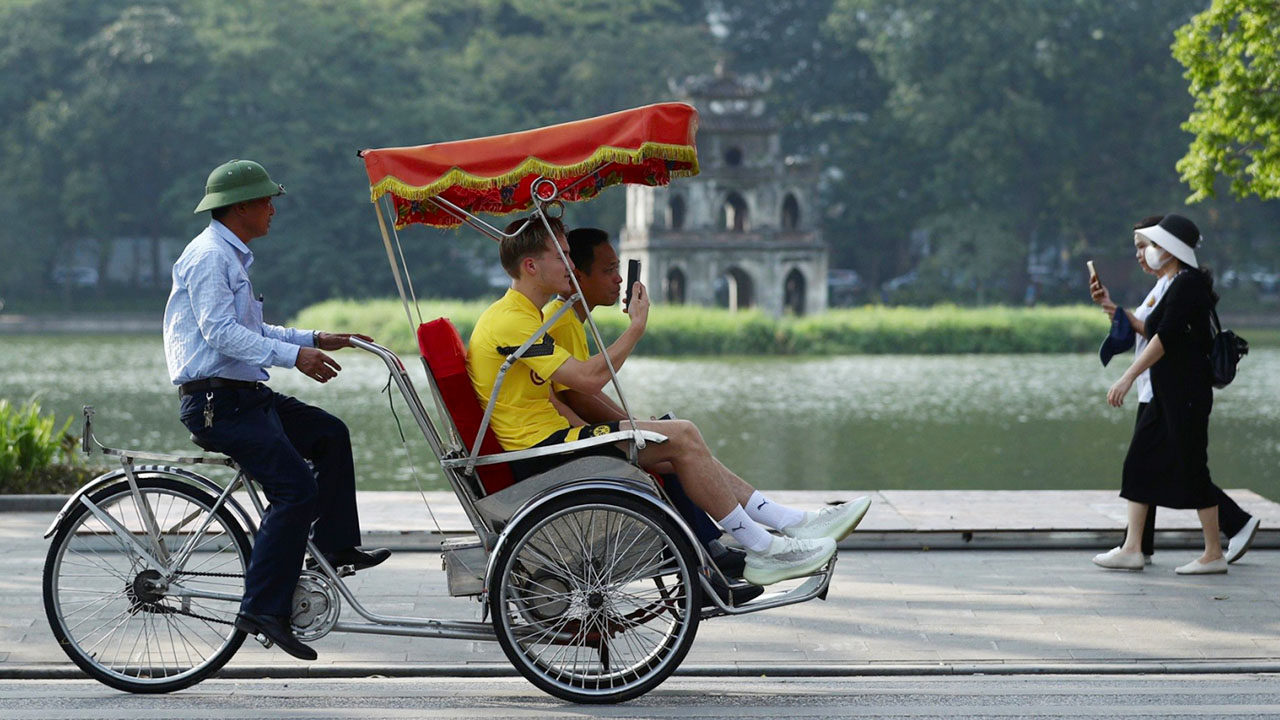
217 348
524 415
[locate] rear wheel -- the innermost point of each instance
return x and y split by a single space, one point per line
135 627
595 599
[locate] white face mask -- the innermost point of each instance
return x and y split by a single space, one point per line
1154 256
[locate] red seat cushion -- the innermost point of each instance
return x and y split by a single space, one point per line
447 358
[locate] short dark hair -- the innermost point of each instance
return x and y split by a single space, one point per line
1148 221
582 246
220 212
530 241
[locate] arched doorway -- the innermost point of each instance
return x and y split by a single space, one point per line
674 288
790 212
733 214
734 290
793 292
675 213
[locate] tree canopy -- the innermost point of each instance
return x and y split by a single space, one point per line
986 146
1232 55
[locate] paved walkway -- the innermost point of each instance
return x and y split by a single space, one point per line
989 610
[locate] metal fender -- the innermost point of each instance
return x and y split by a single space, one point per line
622 487
186 476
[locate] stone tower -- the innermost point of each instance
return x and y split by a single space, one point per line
743 233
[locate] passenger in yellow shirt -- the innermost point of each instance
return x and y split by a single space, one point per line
524 415
596 266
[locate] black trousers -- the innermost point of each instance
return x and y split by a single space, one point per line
272 436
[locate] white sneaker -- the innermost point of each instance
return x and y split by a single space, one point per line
787 558
832 521
1241 541
1117 559
1195 567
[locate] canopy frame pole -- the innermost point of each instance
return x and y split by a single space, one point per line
541 203
466 217
395 267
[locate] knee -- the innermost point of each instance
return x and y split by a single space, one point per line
685 437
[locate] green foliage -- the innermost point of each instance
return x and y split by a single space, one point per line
30 445
1231 52
684 330
960 139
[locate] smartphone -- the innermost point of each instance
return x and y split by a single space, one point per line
1093 272
633 275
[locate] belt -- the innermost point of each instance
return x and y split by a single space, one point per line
198 386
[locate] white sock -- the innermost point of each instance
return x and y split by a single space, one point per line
763 510
746 531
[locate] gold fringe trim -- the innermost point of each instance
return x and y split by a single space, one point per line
458 177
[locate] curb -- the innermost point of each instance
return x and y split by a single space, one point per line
495 670
917 540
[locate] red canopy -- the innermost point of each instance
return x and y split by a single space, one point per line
647 145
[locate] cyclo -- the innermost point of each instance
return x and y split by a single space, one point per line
589 580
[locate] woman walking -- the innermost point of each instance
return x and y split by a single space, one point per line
1167 463
1239 526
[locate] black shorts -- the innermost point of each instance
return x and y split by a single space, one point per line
522 469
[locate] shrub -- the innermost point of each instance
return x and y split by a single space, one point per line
35 454
687 330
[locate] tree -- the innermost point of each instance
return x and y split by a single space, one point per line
1232 57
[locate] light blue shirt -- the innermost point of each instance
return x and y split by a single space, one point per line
213 323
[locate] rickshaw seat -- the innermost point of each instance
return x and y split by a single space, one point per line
446 357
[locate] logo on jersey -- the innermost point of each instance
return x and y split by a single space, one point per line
537 379
599 430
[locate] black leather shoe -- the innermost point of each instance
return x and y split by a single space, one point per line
355 558
731 561
741 595
278 630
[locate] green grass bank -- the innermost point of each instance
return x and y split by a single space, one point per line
683 330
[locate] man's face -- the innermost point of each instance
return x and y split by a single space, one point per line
552 272
603 285
256 216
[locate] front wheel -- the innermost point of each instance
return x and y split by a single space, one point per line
595 597
132 626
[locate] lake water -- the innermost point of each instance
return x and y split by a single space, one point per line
856 422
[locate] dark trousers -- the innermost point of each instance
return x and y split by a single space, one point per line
702 525
1231 519
272 436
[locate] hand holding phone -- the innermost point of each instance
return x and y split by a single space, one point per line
633 275
1093 272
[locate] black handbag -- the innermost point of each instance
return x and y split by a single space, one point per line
1227 350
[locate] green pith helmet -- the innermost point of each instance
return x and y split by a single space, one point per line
237 181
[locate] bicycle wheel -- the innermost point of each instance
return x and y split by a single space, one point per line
130 625
595 599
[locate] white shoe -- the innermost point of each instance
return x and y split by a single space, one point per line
1117 559
1195 567
787 558
832 521
1241 541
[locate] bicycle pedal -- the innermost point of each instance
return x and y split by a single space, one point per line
345 570
266 641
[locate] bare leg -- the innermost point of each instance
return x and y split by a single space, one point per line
708 483
1138 518
1212 535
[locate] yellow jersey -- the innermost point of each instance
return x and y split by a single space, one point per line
523 415
568 333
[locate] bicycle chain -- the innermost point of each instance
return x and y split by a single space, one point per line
167 610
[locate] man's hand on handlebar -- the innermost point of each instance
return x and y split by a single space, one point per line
337 341
316 365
